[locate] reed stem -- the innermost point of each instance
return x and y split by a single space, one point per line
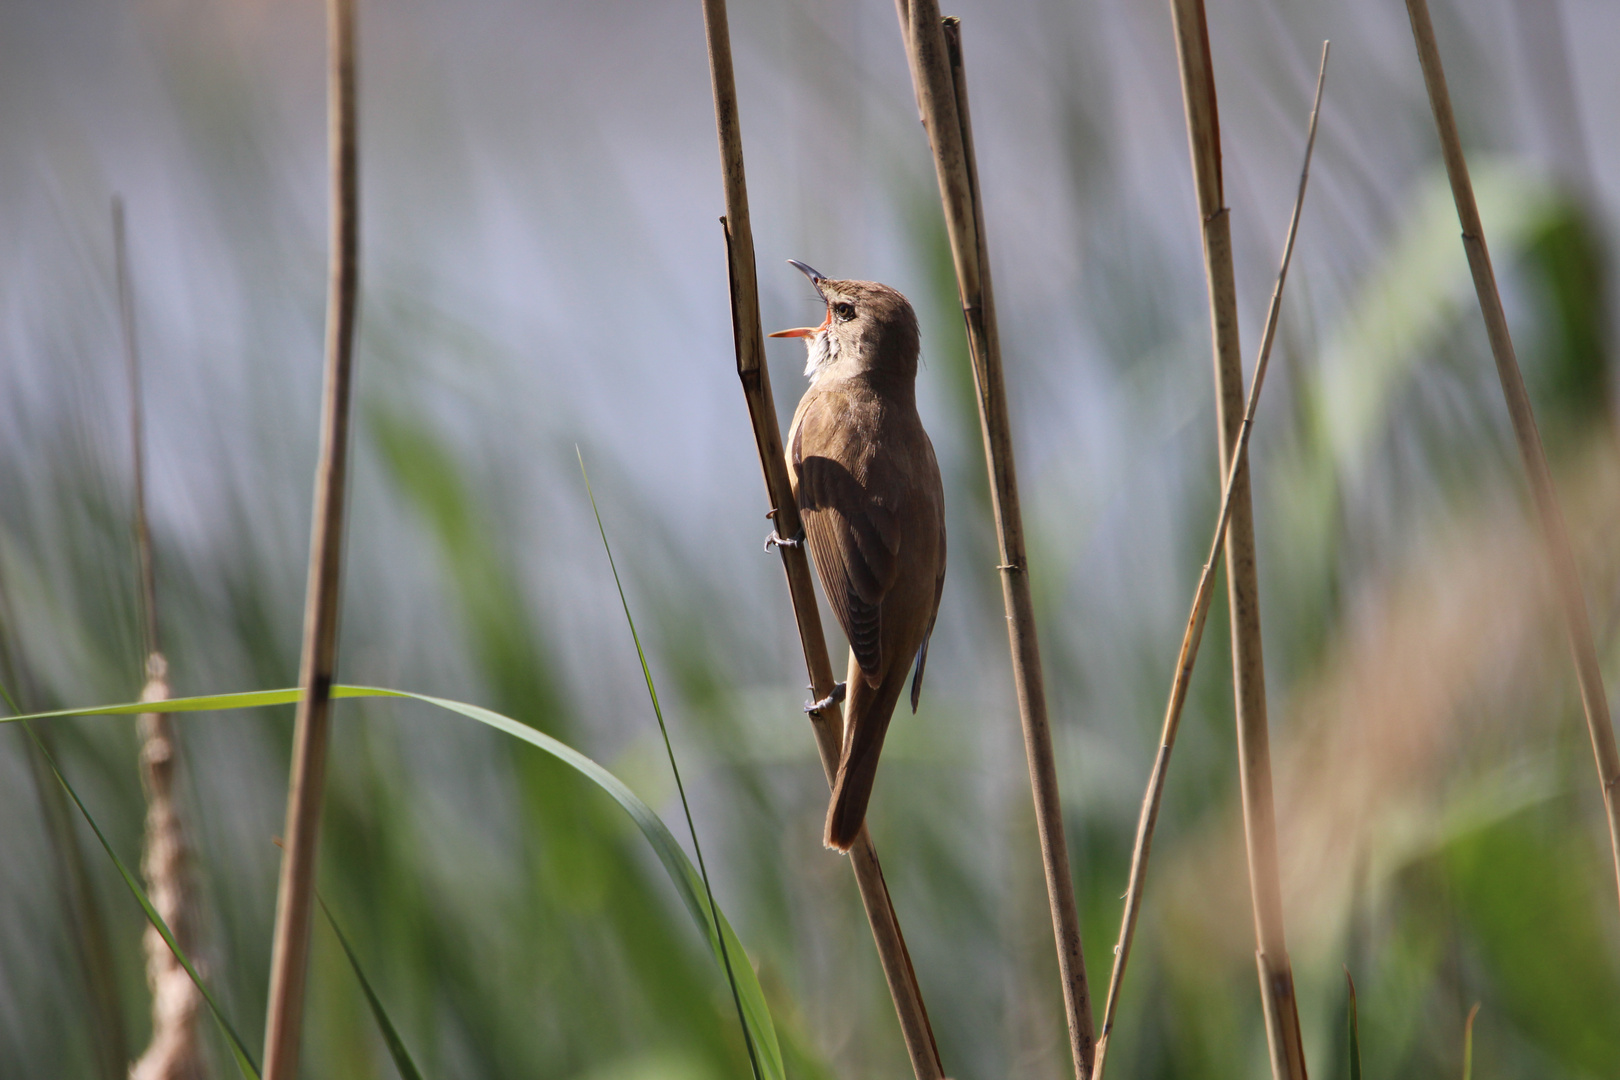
1566 578
295 899
749 341
934 52
1194 633
1242 579
147 577
175 1050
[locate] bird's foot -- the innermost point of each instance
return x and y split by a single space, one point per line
776 539
827 702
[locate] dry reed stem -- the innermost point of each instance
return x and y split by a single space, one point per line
1566 578
175 1051
1382 763
826 724
1242 579
294 902
1194 633
934 52
147 578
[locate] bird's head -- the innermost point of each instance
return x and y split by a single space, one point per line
870 329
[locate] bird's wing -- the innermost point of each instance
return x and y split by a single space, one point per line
922 652
854 538
938 491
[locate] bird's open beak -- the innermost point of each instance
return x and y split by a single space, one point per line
804 331
816 278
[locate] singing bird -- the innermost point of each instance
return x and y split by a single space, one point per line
873 509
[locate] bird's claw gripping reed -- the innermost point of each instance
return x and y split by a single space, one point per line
834 698
775 540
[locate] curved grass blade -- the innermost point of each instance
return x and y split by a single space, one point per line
244 1059
247 699
1355 1037
396 1046
663 729
688 885
679 868
1468 1043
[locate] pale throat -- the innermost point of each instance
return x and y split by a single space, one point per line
822 349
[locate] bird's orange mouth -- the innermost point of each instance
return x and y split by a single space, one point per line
805 331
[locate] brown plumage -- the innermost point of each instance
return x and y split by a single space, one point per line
873 508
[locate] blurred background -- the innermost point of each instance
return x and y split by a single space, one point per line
543 269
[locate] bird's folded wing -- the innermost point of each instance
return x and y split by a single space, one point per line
853 538
922 652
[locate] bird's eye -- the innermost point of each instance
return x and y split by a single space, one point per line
844 311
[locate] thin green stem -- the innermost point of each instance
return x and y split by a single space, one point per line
396 1045
244 1059
652 692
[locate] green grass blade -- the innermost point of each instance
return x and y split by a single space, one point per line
396 1046
688 884
686 807
679 868
1468 1043
244 1060
208 703
1355 1036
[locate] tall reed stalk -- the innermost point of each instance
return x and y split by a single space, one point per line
175 1050
827 724
146 576
1566 578
295 899
934 53
1194 633
1242 579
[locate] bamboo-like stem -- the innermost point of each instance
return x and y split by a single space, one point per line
1194 633
1566 578
289 961
749 340
175 1051
1242 580
934 52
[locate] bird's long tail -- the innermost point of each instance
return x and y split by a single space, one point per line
867 712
